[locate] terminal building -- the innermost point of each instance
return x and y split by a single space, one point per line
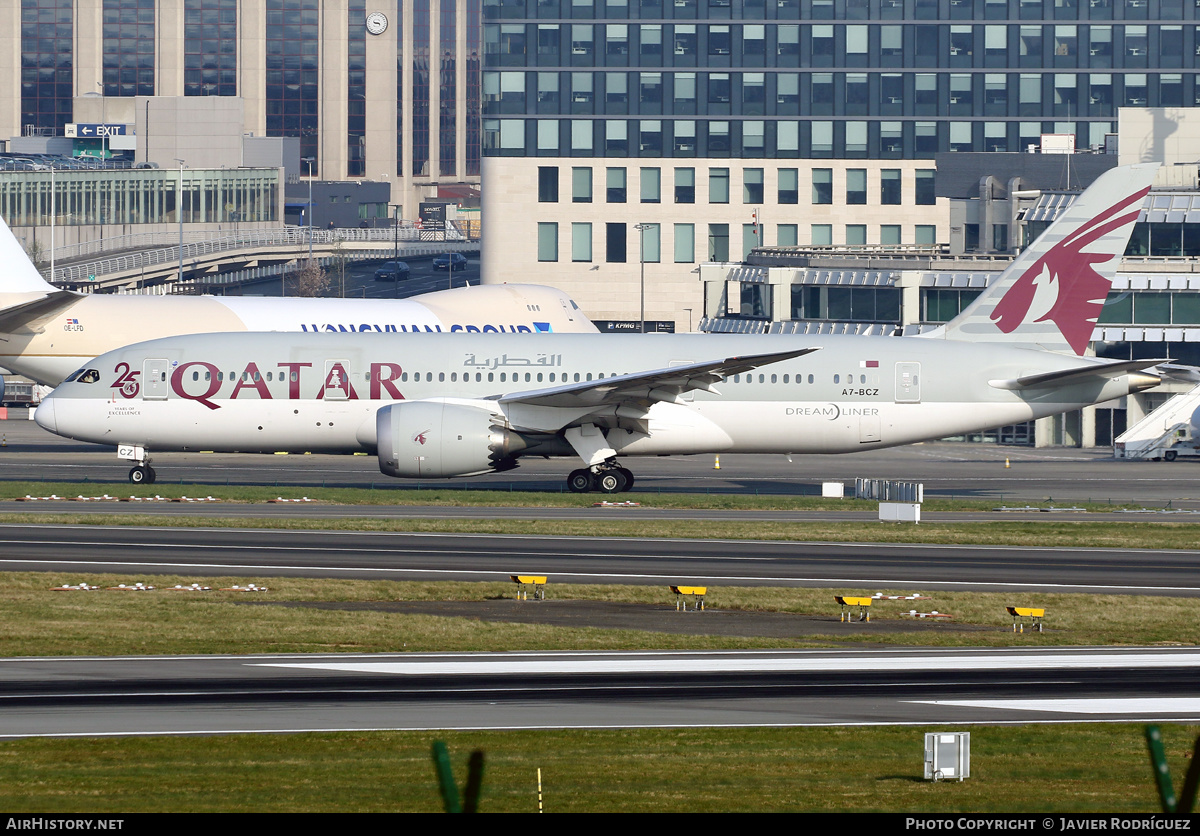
624 137
1152 311
387 91
860 166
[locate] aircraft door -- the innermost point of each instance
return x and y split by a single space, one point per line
154 380
908 383
337 380
868 429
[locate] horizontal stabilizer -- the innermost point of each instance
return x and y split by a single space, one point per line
1067 376
1178 371
657 384
27 317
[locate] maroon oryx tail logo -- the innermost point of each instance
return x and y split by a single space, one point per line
420 437
1066 271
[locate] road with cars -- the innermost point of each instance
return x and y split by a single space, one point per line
359 280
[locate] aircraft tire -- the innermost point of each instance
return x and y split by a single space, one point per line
150 475
628 474
139 475
611 481
580 481
1170 455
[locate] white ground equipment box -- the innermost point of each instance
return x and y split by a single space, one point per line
947 756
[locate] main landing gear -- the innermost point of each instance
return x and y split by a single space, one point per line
142 474
605 479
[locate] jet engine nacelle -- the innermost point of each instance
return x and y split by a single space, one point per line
434 438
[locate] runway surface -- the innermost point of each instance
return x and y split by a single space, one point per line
203 695
77 550
277 694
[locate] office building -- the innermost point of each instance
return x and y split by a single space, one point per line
623 136
378 91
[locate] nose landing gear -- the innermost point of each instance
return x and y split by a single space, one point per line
605 479
142 473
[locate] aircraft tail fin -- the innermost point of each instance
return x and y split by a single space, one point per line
18 275
1051 295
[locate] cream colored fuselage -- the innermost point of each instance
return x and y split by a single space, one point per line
49 349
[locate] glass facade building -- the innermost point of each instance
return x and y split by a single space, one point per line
210 48
807 79
221 196
128 45
293 75
47 74
811 123
387 90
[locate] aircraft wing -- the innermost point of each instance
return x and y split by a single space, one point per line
1068 376
646 387
28 317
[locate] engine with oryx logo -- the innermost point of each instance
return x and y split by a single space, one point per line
434 438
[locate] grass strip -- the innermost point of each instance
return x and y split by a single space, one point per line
1044 769
1133 534
37 621
407 493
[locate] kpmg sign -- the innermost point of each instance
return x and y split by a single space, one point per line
631 326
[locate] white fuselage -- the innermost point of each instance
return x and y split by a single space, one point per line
54 346
321 392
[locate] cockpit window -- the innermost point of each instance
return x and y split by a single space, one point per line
90 376
73 375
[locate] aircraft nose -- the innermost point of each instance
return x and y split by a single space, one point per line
44 415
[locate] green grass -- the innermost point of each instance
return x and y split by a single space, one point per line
393 492
36 621
1031 769
1027 769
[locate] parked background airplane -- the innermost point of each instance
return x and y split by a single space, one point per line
47 333
441 405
